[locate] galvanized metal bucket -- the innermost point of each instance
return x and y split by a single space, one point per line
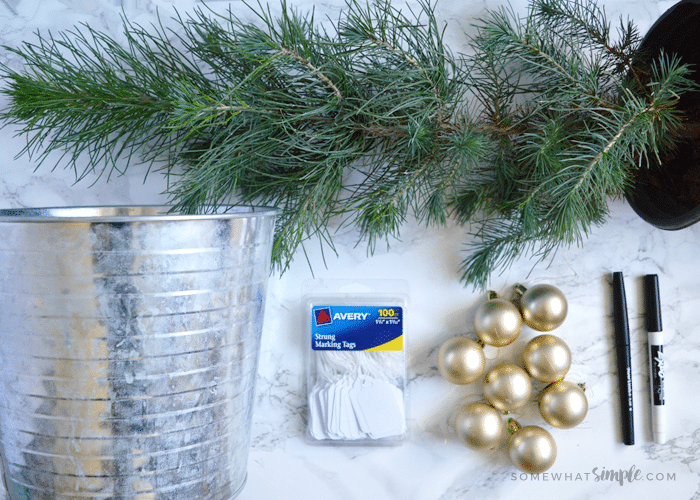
129 344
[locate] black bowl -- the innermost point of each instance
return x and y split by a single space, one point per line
676 31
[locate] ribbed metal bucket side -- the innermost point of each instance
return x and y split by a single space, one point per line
128 356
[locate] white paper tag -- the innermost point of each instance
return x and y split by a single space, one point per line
356 408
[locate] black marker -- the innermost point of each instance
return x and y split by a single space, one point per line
624 365
656 357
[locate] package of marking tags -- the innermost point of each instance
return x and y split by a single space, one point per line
355 333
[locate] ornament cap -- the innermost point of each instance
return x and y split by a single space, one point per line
520 289
491 294
513 426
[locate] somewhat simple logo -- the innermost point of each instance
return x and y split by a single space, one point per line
323 316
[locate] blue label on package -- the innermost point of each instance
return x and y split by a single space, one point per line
357 328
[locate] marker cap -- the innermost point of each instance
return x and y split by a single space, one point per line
652 303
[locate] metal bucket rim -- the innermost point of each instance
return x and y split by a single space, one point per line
127 213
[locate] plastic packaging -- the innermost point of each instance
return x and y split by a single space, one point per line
356 378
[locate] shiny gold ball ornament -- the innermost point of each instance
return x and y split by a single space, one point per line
563 404
531 448
547 358
507 387
497 321
543 307
461 360
479 426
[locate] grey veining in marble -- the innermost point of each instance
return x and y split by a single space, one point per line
431 464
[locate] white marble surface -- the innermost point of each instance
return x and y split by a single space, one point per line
431 464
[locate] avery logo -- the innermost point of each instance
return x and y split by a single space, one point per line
351 316
322 316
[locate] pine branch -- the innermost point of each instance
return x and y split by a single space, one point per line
365 123
564 193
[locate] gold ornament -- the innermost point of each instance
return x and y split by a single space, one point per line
479 426
543 307
547 358
497 321
507 387
531 448
461 360
563 404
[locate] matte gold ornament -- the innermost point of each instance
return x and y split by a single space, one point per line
461 360
531 448
497 321
507 387
543 307
479 426
547 358
563 404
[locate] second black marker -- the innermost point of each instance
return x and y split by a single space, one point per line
624 365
